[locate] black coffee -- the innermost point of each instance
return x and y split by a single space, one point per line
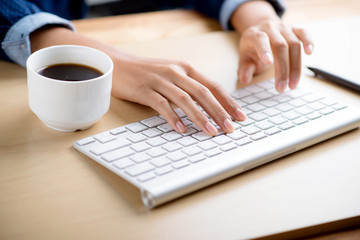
70 72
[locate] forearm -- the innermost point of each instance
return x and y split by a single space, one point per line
252 13
52 35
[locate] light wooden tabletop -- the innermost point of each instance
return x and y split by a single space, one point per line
50 191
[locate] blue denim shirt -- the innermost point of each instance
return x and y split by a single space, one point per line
19 18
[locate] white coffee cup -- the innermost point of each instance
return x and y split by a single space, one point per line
69 105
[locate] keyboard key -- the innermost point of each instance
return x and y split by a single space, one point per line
152 132
140 147
189 131
221 140
201 136
304 110
250 99
207 145
328 101
136 127
256 107
258 116
156 152
213 152
272 131
236 135
247 122
291 115
258 136
146 176
282 98
117 154
269 103
171 136
118 131
187 141
254 89
300 120
163 170
156 141
327 111
180 164
104 137
228 147
123 163
316 106
249 130
192 150
110 146
271 112
142 157
243 141
138 169
284 107
180 112
277 120
86 141
264 125
176 156
135 138
196 158
172 146
286 126
240 93
263 95
297 102
165 127
313 115
153 121
160 161
338 106
186 122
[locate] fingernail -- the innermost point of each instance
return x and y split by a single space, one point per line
180 127
268 58
309 48
294 82
281 86
229 127
240 115
211 129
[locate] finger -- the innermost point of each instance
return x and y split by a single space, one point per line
163 107
305 38
204 96
184 101
294 56
220 94
246 70
281 59
262 46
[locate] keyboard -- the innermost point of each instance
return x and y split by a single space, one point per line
165 164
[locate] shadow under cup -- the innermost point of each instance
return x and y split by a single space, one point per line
69 105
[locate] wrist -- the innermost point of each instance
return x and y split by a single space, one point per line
252 13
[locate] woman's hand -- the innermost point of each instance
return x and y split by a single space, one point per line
158 83
265 39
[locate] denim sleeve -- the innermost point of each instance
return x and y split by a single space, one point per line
229 6
16 44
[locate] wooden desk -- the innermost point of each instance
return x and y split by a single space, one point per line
50 191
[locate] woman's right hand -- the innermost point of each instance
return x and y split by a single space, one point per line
158 83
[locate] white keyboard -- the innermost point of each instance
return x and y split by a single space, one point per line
150 155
